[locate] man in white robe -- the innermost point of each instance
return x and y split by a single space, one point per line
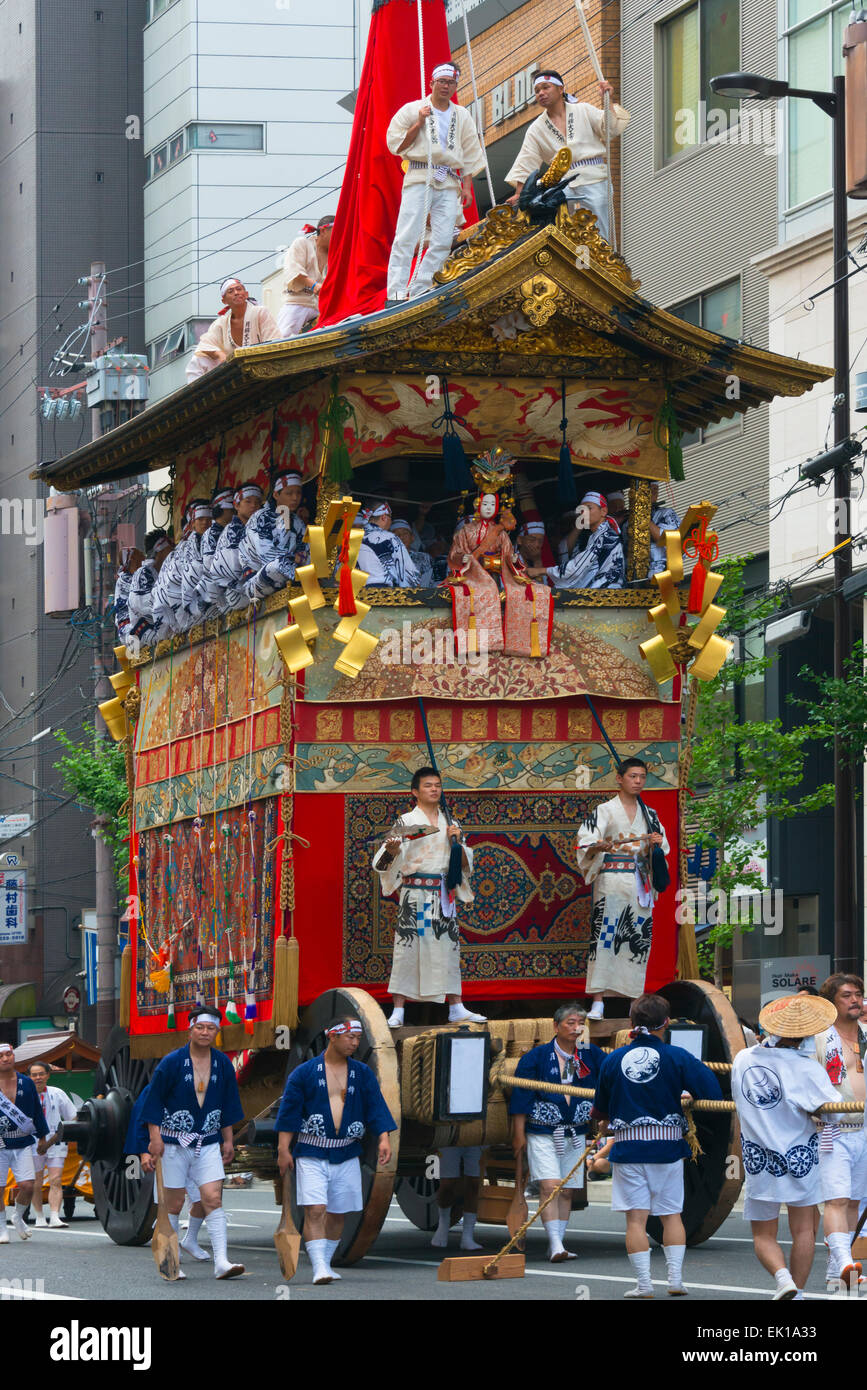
843 1170
381 556
142 631
565 121
623 894
240 324
208 593
427 942
439 136
305 266
421 561
776 1088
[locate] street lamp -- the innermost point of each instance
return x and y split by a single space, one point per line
749 85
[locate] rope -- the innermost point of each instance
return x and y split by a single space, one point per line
522 1230
594 60
476 103
845 1107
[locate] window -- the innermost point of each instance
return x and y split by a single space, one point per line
176 147
167 348
719 311
695 45
226 137
814 44
159 160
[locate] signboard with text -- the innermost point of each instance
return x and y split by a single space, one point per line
13 910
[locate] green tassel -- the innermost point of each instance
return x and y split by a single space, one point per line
667 435
339 467
675 462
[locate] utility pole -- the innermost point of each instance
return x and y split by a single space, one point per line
102 585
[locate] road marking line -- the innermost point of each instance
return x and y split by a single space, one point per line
35 1294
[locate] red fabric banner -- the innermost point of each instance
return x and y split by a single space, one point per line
370 196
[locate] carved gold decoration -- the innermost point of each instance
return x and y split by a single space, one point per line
508 723
401 725
474 724
365 723
329 725
543 258
580 724
539 302
650 723
440 724
502 226
543 724
638 559
615 723
558 168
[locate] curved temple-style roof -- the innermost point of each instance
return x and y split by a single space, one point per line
514 301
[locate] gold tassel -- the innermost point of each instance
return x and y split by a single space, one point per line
286 962
472 641
125 986
535 649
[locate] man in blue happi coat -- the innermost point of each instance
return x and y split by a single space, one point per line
552 1128
205 602
638 1100
273 544
327 1106
193 1102
23 1131
137 1144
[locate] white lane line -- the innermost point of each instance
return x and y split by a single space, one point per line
579 1275
7 1291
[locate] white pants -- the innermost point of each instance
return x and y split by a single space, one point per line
292 318
20 1161
445 206
759 1209
653 1187
843 1172
595 197
546 1165
335 1186
183 1166
52 1158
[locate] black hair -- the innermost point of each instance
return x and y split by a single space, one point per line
423 772
627 763
159 534
649 1011
808 989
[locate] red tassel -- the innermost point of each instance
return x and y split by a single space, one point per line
346 594
696 589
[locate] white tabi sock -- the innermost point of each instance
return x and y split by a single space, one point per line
555 1242
190 1241
395 1019
318 1252
216 1224
468 1226
330 1247
674 1264
841 1251
640 1262
10 1216
440 1238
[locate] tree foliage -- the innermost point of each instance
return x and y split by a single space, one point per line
743 771
95 773
839 708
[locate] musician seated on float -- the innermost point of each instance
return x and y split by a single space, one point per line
273 544
141 629
382 556
420 559
595 558
532 545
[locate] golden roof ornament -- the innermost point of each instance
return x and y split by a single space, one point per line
492 470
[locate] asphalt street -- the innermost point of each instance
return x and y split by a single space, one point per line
82 1263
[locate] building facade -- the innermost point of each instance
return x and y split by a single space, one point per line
70 194
245 140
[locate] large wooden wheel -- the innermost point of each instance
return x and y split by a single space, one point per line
377 1051
416 1197
710 1189
123 1197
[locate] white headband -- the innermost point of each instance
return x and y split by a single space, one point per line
200 512
535 528
555 81
232 280
160 547
445 70
400 523
287 480
6 1047
382 510
593 499
206 1017
248 490
340 1029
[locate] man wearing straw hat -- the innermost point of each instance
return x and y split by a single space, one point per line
192 1104
577 124
776 1088
552 1127
638 1099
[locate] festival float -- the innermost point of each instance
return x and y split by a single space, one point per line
269 751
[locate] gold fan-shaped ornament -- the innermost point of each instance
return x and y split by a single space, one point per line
698 650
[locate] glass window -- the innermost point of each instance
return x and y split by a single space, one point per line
159 160
176 147
697 43
815 56
226 137
719 311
